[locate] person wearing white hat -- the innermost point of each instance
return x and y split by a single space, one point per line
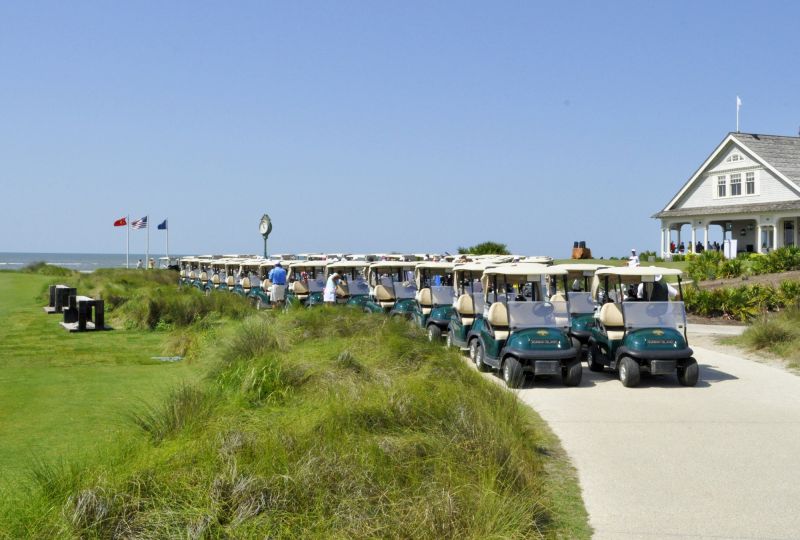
633 260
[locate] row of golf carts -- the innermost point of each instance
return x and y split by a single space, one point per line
527 317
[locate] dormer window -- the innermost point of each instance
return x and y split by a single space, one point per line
733 158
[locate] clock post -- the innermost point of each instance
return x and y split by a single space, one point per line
265 227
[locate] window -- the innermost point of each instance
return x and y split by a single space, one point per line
734 158
736 185
750 183
720 186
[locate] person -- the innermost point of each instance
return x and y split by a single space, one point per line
278 278
682 248
576 285
329 292
633 260
662 291
672 247
139 265
698 248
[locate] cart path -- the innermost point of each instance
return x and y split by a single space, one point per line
720 460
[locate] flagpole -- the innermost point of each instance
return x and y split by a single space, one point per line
147 255
167 224
127 241
738 104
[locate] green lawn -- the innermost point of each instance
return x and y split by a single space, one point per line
61 394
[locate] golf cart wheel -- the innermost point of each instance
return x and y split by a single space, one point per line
434 333
593 357
207 292
512 372
629 372
448 340
473 348
479 363
572 372
259 303
688 374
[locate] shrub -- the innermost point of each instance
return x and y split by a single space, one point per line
705 265
731 268
41 267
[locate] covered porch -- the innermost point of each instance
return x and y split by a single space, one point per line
754 232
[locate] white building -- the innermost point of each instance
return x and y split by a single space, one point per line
749 186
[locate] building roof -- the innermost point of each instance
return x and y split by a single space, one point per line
732 209
779 153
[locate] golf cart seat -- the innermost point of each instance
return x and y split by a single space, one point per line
215 281
246 283
425 300
466 308
342 290
230 281
558 297
498 318
265 284
192 275
612 321
203 276
384 296
300 290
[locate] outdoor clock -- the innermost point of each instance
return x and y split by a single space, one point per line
265 227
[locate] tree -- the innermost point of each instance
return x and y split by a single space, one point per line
486 248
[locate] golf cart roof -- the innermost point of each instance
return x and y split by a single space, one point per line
440 265
306 264
393 264
524 269
584 269
541 259
476 266
348 264
638 271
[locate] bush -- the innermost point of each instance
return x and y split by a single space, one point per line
705 265
42 268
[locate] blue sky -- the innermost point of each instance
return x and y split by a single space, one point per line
374 126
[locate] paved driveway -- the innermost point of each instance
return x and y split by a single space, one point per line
720 460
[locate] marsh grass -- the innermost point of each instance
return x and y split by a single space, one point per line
320 423
778 334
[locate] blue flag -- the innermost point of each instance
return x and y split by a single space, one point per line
162 226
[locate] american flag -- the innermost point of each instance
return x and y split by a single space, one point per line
139 223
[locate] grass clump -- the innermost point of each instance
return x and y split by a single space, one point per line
778 334
44 269
324 423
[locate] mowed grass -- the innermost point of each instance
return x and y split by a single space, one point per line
62 394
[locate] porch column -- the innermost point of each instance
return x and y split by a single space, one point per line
678 243
758 238
774 236
694 238
661 249
705 236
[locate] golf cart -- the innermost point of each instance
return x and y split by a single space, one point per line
469 302
638 329
522 330
248 271
392 288
352 289
579 295
306 280
435 297
259 292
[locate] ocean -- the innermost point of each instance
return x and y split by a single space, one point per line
82 262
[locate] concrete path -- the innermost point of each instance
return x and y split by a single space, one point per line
720 460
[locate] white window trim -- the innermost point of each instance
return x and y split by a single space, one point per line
730 185
720 180
755 184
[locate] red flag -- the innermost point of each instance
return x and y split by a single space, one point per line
121 222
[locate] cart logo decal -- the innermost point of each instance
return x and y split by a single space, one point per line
658 332
542 332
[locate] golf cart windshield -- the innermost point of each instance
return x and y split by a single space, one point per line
581 303
477 300
357 287
442 296
654 315
405 289
538 314
316 285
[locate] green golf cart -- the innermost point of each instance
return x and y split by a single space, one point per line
579 295
353 289
435 297
392 288
259 292
306 281
522 330
638 329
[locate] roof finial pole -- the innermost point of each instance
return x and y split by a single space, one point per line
738 105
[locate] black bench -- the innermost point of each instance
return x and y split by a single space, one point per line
59 298
83 314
